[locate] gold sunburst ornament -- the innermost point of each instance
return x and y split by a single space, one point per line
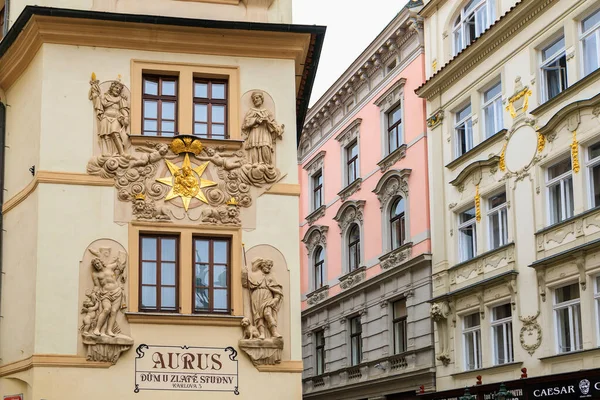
186 182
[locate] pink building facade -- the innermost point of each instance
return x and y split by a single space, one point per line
366 250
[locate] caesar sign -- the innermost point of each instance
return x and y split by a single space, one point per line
184 368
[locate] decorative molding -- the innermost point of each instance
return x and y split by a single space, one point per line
295 367
183 319
284 189
317 296
392 184
350 189
316 214
315 236
396 257
353 278
476 166
315 164
49 361
530 330
435 119
350 133
392 158
388 95
350 212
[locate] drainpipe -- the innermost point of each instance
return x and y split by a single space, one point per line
2 151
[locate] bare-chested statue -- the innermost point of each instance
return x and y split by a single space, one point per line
110 294
112 111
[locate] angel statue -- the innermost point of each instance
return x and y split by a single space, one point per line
260 131
112 112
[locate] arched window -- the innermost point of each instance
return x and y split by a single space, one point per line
354 247
319 270
474 18
398 223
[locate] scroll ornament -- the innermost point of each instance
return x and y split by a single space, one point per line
99 329
261 340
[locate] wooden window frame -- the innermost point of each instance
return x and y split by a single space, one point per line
351 162
401 218
159 79
359 341
319 266
158 262
210 101
399 322
317 190
211 265
395 128
320 349
353 249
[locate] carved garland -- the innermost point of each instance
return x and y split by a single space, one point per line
530 328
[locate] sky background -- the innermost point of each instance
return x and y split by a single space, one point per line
351 26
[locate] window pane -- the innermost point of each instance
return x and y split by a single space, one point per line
148 249
167 274
462 114
590 54
497 200
150 126
467 215
201 250
218 114
352 150
201 299
501 312
218 91
595 175
568 187
218 130
201 90
553 48
555 204
220 251
491 93
201 275
564 330
200 129
148 273
200 112
150 109
399 309
167 297
220 299
168 88
355 325
495 230
393 139
471 320
168 110
567 293
594 151
167 249
148 296
220 276
490 120
590 21
559 168
168 127
150 87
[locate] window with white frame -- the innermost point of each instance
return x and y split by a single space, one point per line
394 128
472 341
351 162
590 40
492 110
597 305
502 334
567 311
399 325
559 183
474 18
593 165
554 69
464 130
497 220
317 188
467 234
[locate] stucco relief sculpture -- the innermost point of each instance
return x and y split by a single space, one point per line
266 298
440 312
530 335
260 131
103 305
112 113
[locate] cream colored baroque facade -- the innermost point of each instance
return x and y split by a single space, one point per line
146 158
513 135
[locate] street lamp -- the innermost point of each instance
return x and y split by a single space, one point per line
467 395
504 394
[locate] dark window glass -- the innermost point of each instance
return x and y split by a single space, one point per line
397 223
352 162
319 264
355 341
354 247
317 190
399 323
320 351
394 128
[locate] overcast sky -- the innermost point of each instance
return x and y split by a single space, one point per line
351 26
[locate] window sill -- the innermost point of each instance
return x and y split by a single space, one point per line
494 367
350 189
396 257
318 295
392 158
480 146
316 214
183 319
482 255
571 353
228 144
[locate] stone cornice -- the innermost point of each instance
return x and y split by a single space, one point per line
511 23
567 110
469 169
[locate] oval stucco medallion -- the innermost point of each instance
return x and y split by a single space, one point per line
520 149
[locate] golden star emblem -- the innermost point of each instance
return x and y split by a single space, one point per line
186 182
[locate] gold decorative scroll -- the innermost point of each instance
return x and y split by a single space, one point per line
502 162
511 107
477 204
575 152
541 143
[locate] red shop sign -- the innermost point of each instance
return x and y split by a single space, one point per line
14 397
